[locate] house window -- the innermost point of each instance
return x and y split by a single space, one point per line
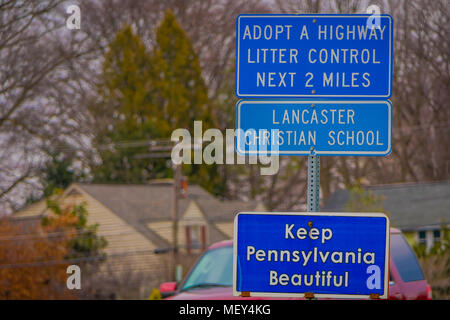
436 236
195 237
422 237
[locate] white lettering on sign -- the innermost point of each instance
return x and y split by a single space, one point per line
319 279
272 55
324 32
315 117
295 50
275 79
280 137
308 116
352 138
344 80
339 32
313 256
267 32
344 55
313 234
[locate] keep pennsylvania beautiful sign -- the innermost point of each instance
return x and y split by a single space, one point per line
338 255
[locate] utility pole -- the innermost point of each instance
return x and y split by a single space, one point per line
161 148
176 194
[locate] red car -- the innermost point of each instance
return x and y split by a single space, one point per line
212 276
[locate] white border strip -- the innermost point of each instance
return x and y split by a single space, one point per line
302 294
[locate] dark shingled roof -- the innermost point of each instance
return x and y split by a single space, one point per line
410 205
141 204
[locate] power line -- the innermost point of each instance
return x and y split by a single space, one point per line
104 257
105 232
75 260
155 144
60 234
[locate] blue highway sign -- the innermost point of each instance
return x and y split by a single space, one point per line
332 255
316 127
288 56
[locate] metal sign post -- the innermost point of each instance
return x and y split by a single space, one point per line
313 193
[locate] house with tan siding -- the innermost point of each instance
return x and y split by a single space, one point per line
136 220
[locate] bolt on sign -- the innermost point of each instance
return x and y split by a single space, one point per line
329 255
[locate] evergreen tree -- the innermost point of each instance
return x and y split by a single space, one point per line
146 95
57 174
127 113
59 171
182 92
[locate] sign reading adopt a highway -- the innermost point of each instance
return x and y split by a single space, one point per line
302 127
332 255
288 56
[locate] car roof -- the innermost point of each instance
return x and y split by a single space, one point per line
226 243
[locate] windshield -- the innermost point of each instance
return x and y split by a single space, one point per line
214 268
405 260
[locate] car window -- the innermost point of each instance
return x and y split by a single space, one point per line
405 259
215 267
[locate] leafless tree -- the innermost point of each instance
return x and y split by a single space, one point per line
36 107
420 96
49 74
